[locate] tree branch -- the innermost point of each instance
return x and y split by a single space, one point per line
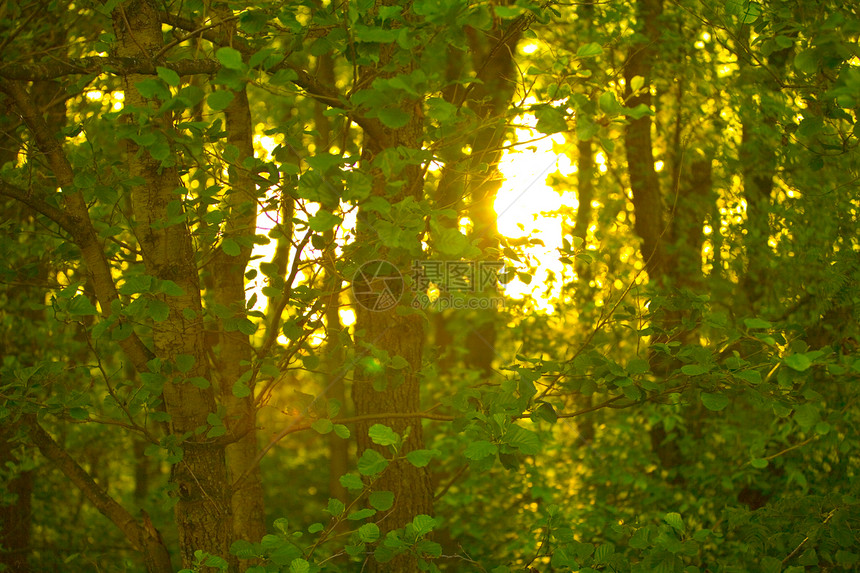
39 205
326 95
77 215
109 64
144 539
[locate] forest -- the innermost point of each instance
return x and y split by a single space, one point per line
453 286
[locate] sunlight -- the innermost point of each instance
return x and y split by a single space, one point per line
522 204
523 201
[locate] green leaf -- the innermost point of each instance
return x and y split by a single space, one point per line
759 463
393 117
324 221
151 88
184 362
753 323
807 415
368 533
170 77
609 104
170 288
323 426
199 382
230 58
230 247
550 119
335 507
799 362
639 111
81 306
546 412
751 13
361 514
158 310
381 500
638 366
315 527
383 435
589 50
420 458
714 402
299 565
220 99
427 548
423 524
341 431
136 284
847 558
480 449
240 389
674 519
524 440
694 369
242 549
751 376
247 327
351 482
507 12
371 463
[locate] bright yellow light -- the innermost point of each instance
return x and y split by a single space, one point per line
433 293
707 230
658 166
523 199
347 316
529 48
95 95
706 36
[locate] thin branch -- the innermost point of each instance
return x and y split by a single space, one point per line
306 425
144 539
37 204
800 546
794 447
107 64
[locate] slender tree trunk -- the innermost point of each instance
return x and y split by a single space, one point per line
15 518
397 335
335 383
647 200
203 511
235 353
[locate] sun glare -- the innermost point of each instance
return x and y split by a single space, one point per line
524 202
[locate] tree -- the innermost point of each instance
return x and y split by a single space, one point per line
218 220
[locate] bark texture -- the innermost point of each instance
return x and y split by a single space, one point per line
398 336
203 512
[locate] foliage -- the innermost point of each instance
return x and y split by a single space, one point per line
196 200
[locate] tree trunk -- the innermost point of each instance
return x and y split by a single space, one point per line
397 335
647 200
235 353
203 511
